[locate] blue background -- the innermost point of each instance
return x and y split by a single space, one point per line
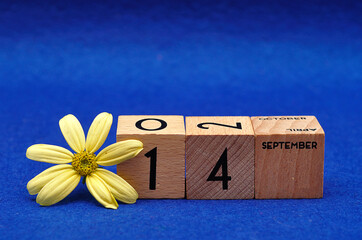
189 58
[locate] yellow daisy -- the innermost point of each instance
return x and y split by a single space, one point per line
55 183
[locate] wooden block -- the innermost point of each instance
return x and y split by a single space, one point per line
159 170
219 158
289 156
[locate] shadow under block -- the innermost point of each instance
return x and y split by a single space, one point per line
289 156
158 171
219 158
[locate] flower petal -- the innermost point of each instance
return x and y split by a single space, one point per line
98 131
119 152
40 180
73 132
119 187
98 188
49 153
58 188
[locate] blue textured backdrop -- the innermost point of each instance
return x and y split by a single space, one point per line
189 58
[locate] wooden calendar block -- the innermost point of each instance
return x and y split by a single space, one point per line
159 170
219 158
289 156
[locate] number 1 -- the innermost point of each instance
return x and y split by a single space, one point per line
153 155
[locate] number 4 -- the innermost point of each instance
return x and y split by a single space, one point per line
222 162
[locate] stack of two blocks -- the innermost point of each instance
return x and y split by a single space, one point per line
226 157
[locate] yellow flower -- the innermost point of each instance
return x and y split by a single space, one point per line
55 183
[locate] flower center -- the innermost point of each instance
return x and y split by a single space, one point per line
84 163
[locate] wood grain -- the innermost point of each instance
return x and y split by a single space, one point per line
204 148
289 157
170 167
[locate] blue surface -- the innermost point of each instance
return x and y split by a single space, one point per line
188 58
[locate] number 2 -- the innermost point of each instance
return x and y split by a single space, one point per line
222 162
202 125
